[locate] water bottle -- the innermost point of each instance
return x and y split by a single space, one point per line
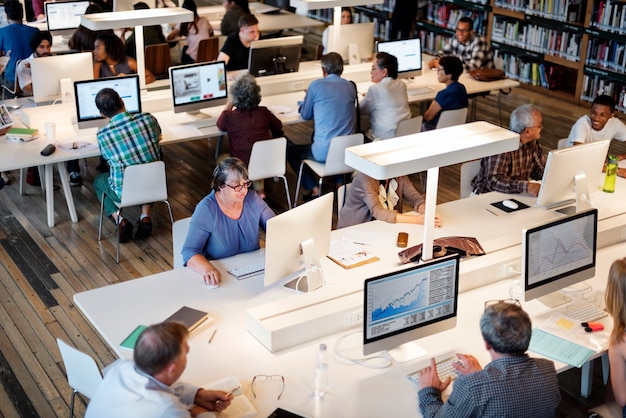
515 291
611 174
321 372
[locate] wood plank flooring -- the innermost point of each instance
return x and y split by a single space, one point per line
42 268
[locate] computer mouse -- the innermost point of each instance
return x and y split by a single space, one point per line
510 204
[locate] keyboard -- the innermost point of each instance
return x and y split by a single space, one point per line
583 312
247 270
444 370
203 123
419 90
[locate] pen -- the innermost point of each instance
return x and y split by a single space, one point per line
359 243
493 213
212 335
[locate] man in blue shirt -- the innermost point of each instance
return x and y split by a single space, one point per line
330 103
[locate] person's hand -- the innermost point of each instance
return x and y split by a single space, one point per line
466 364
533 188
420 220
213 400
211 276
428 377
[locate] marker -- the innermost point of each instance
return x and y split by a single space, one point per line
212 335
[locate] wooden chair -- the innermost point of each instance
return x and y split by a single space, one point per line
208 50
158 59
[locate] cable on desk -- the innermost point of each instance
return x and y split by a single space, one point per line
363 361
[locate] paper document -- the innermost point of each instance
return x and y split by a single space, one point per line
184 131
558 348
348 255
240 406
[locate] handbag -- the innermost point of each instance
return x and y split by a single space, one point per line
487 74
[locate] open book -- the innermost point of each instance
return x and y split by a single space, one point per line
240 406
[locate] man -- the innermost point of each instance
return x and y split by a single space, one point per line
330 103
510 172
453 96
511 385
237 46
471 48
14 42
148 386
230 21
599 124
126 140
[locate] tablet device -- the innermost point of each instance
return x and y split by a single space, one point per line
5 118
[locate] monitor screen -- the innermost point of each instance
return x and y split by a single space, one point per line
65 15
275 56
563 166
559 254
409 55
286 233
361 34
47 73
88 115
405 305
197 86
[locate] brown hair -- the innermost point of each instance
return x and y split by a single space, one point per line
615 299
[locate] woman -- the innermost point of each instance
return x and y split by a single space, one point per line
454 96
226 222
615 299
370 199
246 122
386 101
346 19
194 32
111 60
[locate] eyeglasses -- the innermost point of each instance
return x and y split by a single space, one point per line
268 378
239 187
462 30
490 303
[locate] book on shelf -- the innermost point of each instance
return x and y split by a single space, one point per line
349 255
190 317
240 406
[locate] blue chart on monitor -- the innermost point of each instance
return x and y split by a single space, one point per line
392 302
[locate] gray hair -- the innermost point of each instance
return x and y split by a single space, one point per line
506 327
245 92
522 118
332 63
228 166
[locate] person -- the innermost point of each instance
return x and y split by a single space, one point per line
230 21
600 124
83 39
472 49
511 385
110 58
330 103
39 10
370 199
386 101
237 46
126 140
226 222
615 301
14 42
346 19
148 385
454 96
510 172
403 19
194 32
246 122
152 34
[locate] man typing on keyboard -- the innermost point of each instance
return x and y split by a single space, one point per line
512 384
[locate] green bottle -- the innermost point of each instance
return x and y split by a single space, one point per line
611 175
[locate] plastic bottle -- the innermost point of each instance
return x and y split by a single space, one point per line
321 372
611 174
515 291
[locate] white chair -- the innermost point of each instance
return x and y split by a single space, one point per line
16 87
562 143
83 374
179 233
143 184
468 172
342 195
409 126
269 159
452 118
335 161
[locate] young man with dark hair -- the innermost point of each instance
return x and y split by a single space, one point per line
237 46
600 124
454 96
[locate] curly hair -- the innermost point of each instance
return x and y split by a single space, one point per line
245 93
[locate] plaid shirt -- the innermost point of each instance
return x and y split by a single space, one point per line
129 140
474 54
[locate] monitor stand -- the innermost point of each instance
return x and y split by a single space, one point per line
555 299
406 352
313 277
201 119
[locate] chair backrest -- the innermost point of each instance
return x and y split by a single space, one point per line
468 172
409 126
562 143
268 159
335 160
16 86
83 374
158 59
208 49
452 118
144 183
179 233
342 194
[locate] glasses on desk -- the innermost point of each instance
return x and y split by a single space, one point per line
490 303
268 378
239 187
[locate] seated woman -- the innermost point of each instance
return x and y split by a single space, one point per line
247 122
110 58
386 101
83 39
615 300
346 19
194 32
371 199
226 222
454 96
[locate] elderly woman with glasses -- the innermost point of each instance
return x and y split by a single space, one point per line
226 222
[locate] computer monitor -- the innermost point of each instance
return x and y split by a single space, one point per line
197 86
409 55
48 72
403 306
275 56
361 34
64 15
571 174
300 234
558 254
88 115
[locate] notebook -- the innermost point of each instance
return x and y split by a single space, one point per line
189 317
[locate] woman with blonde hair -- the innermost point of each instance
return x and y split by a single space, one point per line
615 299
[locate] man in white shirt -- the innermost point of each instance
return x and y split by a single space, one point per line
599 124
40 44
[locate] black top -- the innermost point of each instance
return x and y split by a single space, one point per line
237 52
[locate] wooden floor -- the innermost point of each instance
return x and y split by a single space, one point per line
42 268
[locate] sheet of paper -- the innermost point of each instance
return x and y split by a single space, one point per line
283 112
557 348
240 406
184 131
568 328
